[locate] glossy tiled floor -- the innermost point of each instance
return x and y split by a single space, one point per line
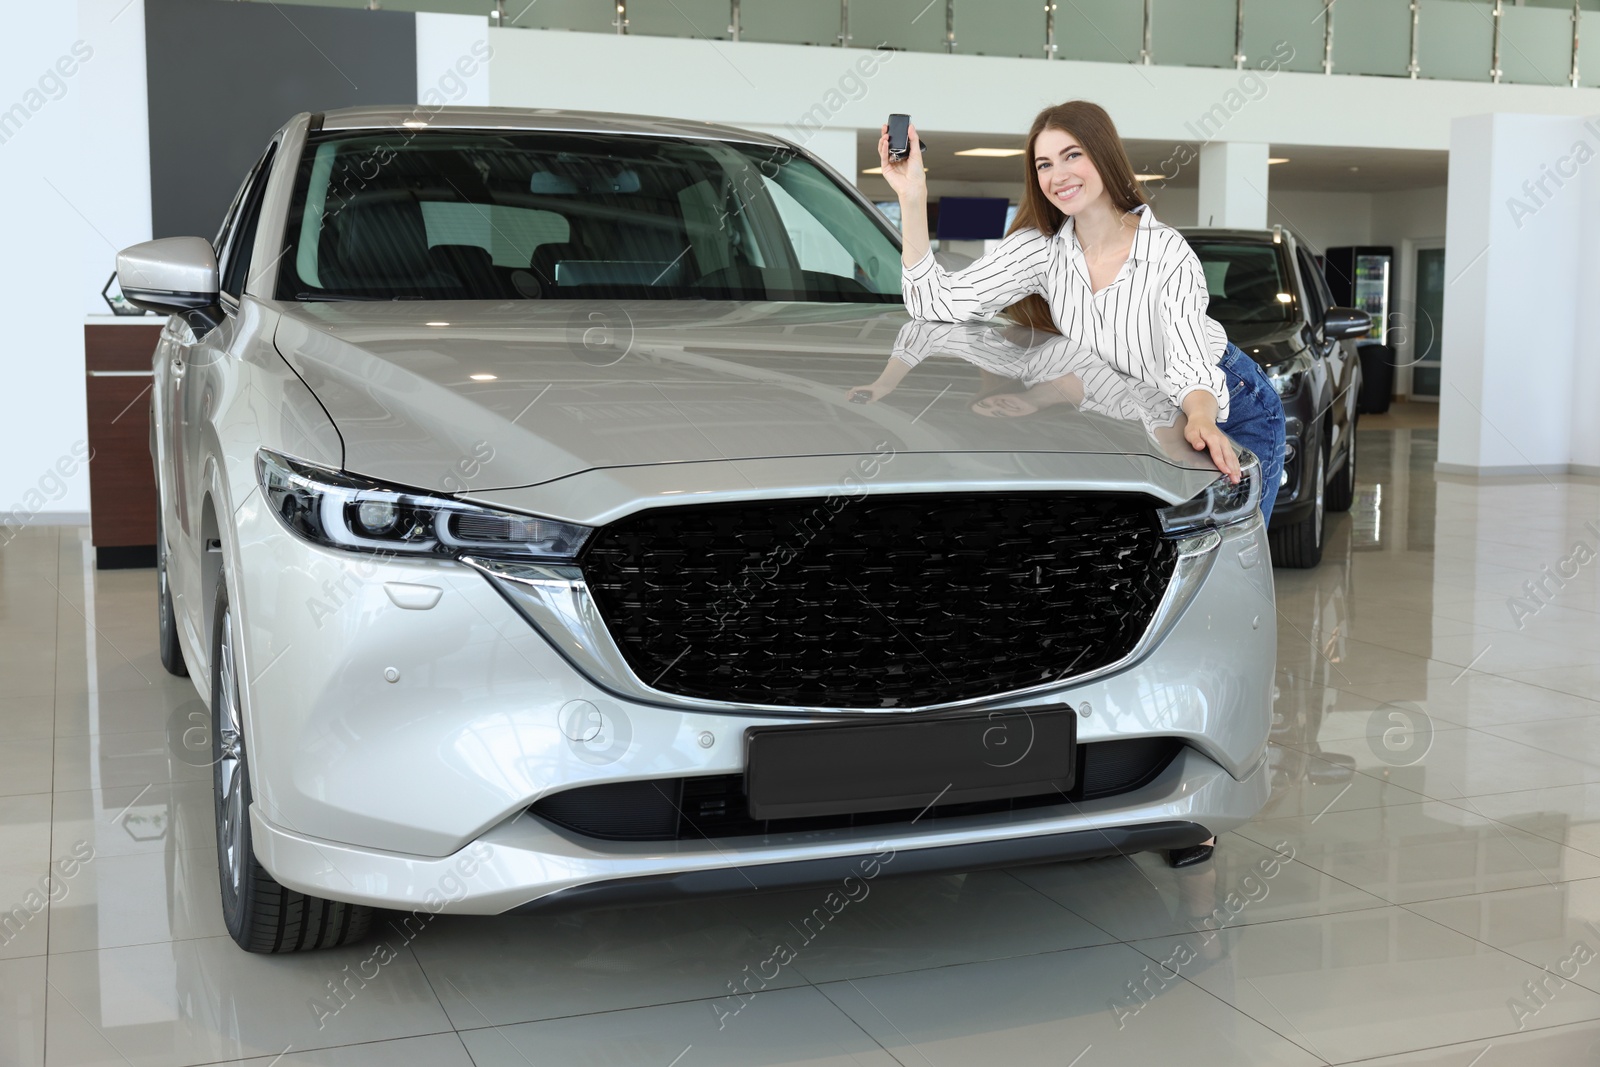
1436 775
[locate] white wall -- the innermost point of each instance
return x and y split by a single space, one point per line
43 272
1323 220
1513 298
451 51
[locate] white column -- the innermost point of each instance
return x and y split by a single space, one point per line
453 55
1511 397
1233 185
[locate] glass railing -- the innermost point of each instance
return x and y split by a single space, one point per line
1538 42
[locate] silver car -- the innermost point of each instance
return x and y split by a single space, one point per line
531 529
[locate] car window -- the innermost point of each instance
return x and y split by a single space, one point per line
225 231
495 214
509 235
1244 279
235 266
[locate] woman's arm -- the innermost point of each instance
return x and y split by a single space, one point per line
1200 409
1013 270
1194 380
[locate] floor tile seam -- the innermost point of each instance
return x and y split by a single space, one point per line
467 1029
1376 904
1510 677
1270 1028
156 784
1592 987
294 1050
1425 659
1519 722
1534 748
1111 942
1595 854
1297 746
1010 873
1459 807
856 1023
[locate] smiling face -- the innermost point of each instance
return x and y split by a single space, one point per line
1066 176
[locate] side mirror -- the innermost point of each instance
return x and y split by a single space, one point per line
1345 322
172 276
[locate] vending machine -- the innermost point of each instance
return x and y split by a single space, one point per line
1360 276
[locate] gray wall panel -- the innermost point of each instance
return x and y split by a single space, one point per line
223 76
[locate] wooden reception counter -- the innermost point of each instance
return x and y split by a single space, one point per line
122 487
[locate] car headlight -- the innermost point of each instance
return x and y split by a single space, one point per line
338 510
1287 376
1220 504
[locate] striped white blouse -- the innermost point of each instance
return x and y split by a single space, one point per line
1150 322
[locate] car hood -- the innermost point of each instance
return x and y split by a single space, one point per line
472 397
1267 342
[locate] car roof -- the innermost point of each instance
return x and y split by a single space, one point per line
540 118
1232 234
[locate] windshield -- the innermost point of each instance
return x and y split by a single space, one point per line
1245 279
496 215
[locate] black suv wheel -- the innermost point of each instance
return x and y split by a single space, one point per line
1300 546
1342 493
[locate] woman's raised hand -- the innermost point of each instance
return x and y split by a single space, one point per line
904 175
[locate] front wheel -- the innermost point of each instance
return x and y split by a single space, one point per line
166 620
1300 546
260 914
1342 493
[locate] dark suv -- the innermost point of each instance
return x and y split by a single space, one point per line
1269 295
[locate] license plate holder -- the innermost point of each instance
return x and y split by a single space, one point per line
876 764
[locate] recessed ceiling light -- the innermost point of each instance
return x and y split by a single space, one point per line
1285 298
436 324
1150 177
993 153
1278 159
1355 169
483 377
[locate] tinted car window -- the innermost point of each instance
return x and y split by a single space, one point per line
494 215
1245 280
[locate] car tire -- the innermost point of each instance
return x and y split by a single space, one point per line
1300 546
1342 493
260 914
166 619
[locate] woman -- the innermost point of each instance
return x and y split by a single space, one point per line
1086 258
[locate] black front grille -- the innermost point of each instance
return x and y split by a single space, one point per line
678 809
879 602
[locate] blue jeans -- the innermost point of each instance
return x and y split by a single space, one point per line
1255 419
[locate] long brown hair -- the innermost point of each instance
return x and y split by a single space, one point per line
1096 134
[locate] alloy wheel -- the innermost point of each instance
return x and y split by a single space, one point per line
230 762
1318 509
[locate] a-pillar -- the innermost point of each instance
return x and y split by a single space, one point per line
1233 185
834 146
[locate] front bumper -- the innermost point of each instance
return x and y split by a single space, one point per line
375 790
527 863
